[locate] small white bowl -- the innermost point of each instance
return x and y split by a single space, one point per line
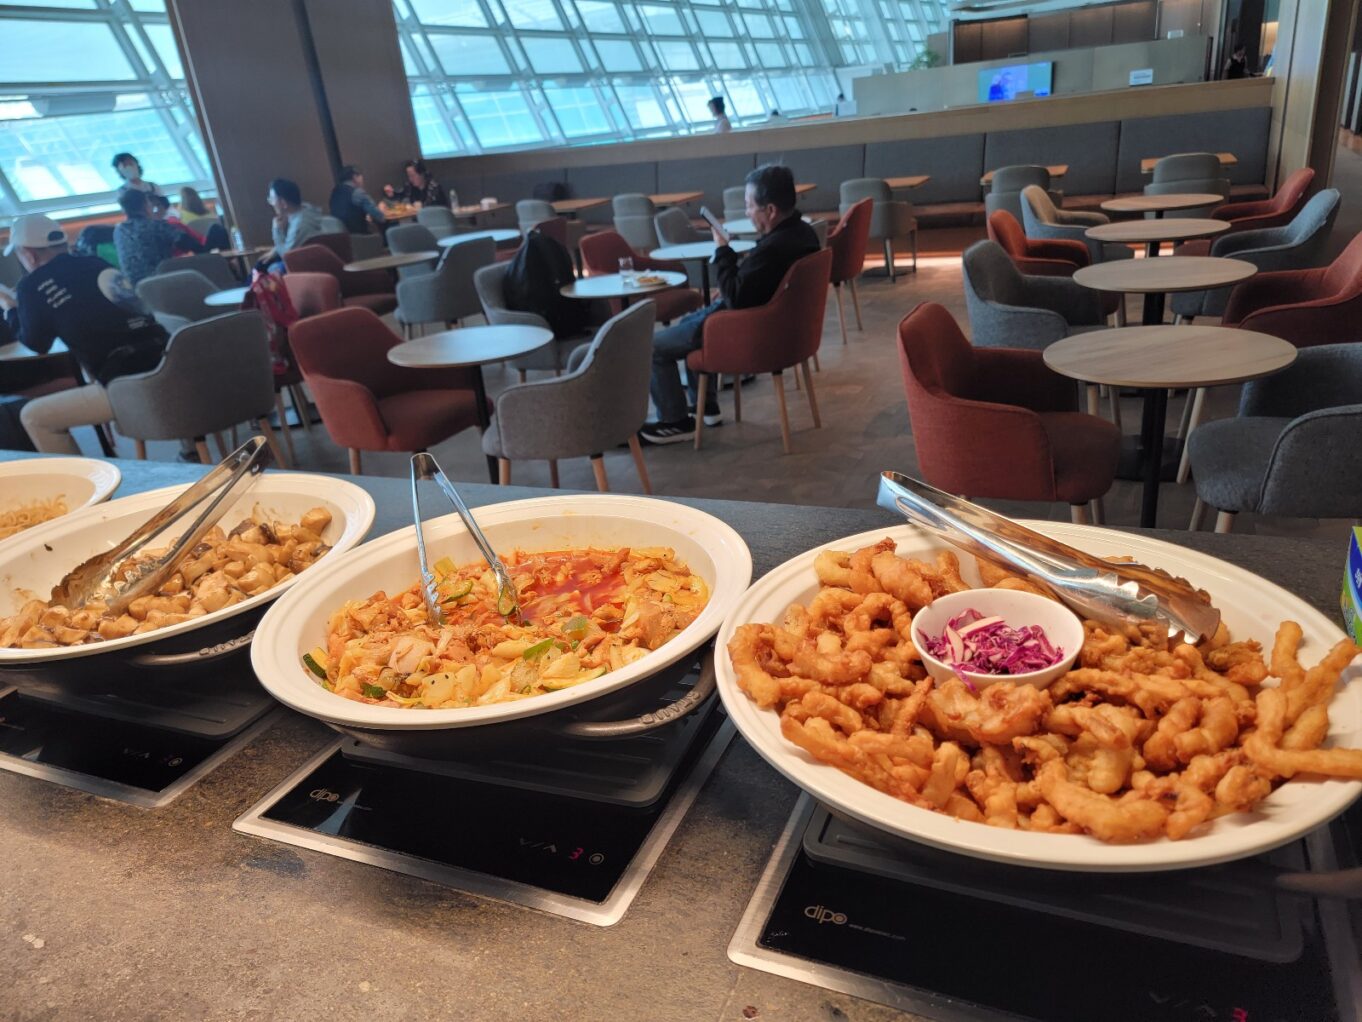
1061 626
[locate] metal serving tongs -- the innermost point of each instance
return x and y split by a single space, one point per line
424 466
103 577
1118 593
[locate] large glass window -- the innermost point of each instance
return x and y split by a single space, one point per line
81 80
490 74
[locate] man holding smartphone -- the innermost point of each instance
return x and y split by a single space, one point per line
783 238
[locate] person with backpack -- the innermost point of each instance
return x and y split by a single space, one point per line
89 305
534 277
784 238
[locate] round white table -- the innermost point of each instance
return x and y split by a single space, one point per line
471 347
231 297
497 234
701 252
392 261
1153 233
1161 204
1155 278
612 285
1155 359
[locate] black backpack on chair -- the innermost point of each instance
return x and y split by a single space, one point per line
540 267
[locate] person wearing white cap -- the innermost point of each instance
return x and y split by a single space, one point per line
90 306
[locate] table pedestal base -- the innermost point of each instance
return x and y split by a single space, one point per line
1132 461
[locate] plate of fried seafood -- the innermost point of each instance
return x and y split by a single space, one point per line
282 527
611 589
1140 758
38 490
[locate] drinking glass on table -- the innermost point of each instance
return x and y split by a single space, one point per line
627 271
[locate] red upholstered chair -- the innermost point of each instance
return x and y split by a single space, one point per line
371 289
1046 257
339 243
602 252
782 334
1306 307
312 293
1277 211
366 402
847 242
996 422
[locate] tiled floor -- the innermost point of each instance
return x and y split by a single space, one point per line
865 424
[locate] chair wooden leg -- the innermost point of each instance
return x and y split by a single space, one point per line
636 449
798 383
1094 400
816 367
140 449
273 442
521 373
235 442
779 380
1078 514
914 249
841 314
1198 513
598 467
354 462
808 387
1121 311
701 396
1224 521
1193 421
737 398
299 399
889 258
553 474
1114 393
201 447
856 303
504 471
1099 511
283 423
220 442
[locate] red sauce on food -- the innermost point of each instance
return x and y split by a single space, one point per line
568 582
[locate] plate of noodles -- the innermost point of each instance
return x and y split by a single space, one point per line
37 490
1137 759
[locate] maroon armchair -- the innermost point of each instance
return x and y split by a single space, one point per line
370 289
1046 257
847 241
1277 211
337 242
782 334
996 422
1306 307
602 252
312 293
366 402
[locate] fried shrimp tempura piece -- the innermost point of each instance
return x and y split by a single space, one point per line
1263 746
1002 712
1122 822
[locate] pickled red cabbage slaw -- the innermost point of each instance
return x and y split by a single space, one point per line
989 645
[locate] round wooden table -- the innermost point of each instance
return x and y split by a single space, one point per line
611 285
700 252
1155 278
227 298
471 347
392 261
1152 233
1160 204
1155 359
497 234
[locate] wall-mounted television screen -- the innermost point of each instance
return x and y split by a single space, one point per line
1018 81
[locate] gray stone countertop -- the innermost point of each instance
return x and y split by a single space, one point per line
113 912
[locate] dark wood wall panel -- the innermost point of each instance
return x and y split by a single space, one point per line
366 85
1048 32
1003 38
1134 22
1090 27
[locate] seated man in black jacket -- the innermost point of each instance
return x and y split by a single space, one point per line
89 305
784 238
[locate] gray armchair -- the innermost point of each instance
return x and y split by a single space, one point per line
1043 219
411 238
1009 309
736 202
213 266
634 220
674 227
447 294
488 282
1293 448
438 220
332 225
1005 188
1298 245
366 246
544 420
178 294
215 374
530 213
891 219
1189 173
